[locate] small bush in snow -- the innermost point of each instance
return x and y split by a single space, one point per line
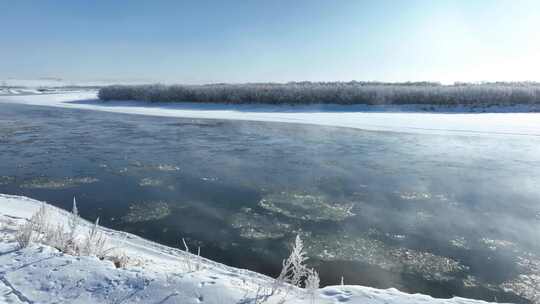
312 283
38 229
24 235
59 239
312 280
193 263
94 243
34 230
73 240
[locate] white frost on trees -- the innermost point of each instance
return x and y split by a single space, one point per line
353 92
294 268
295 271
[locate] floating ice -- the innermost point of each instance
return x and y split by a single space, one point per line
306 207
496 244
46 183
527 284
150 182
4 180
84 180
415 195
147 211
165 167
460 242
422 196
362 248
256 226
209 179
158 167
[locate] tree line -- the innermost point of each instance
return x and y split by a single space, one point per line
346 93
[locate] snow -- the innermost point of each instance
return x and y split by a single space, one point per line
52 82
499 121
34 83
157 274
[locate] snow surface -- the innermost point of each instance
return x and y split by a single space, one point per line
517 121
52 82
156 273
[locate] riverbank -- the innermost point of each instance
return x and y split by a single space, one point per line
154 273
493 121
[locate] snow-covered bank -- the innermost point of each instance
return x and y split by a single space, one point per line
516 121
156 273
24 91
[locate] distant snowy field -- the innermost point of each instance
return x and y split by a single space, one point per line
156 273
519 120
49 83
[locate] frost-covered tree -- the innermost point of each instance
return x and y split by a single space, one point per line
295 272
294 269
354 92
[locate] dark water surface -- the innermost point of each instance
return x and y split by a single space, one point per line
442 215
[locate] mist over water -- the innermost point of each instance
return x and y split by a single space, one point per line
442 215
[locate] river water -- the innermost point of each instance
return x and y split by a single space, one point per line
438 214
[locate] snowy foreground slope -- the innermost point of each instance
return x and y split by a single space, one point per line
154 273
515 121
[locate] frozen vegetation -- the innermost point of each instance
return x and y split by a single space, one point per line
75 261
345 93
496 120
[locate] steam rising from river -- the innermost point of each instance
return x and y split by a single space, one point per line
454 211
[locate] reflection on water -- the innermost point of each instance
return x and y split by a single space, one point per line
443 215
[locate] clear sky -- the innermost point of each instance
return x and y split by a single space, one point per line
272 40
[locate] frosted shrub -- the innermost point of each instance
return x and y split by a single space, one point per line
40 220
24 235
193 263
94 243
295 272
66 241
73 220
294 268
38 229
312 280
34 230
59 239
312 283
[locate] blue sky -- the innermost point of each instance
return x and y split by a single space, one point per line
277 40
